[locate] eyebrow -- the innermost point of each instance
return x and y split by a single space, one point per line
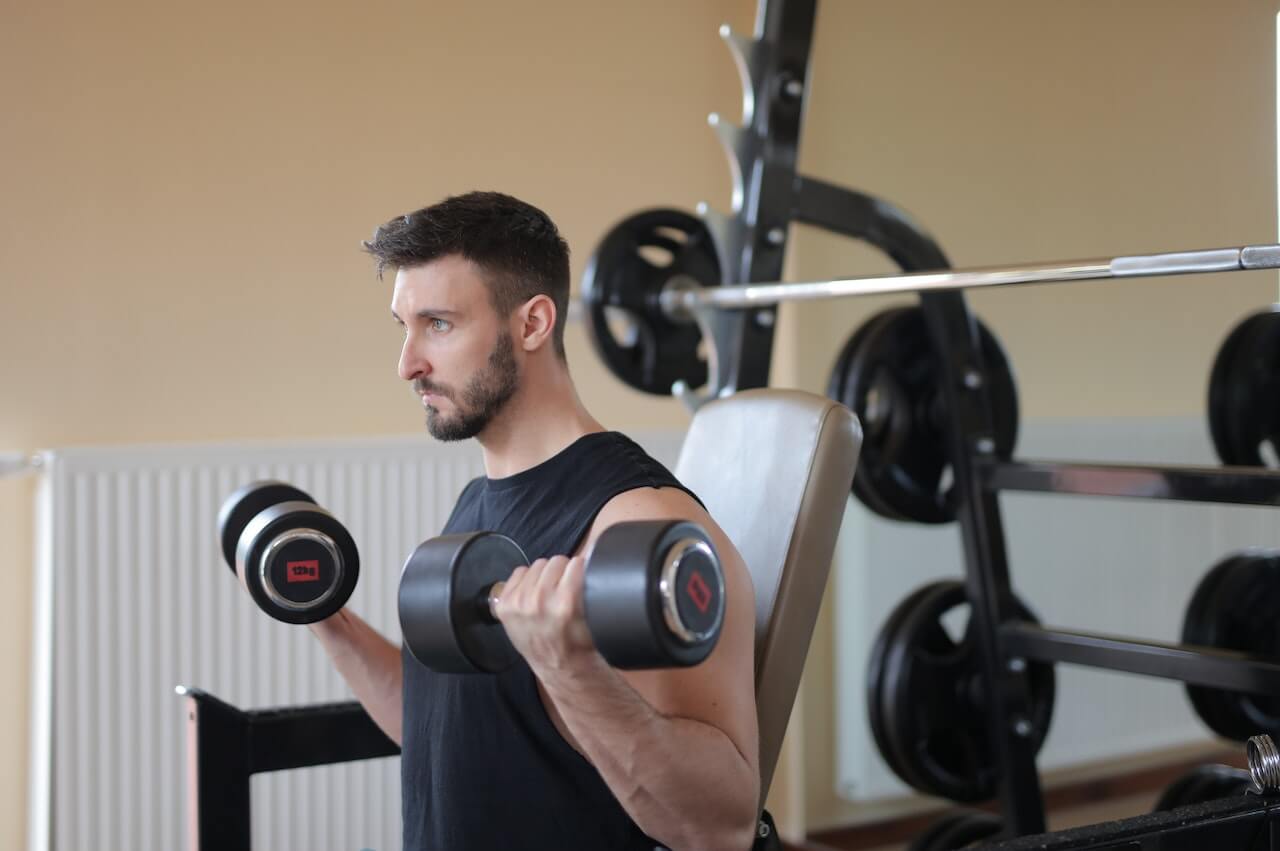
427 313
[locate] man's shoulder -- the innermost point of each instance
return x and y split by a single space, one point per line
650 503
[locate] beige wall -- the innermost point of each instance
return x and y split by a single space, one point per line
184 188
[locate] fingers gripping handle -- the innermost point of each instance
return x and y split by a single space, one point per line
489 601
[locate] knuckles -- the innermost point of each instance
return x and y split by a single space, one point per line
525 597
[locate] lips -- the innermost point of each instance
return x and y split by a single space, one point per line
427 395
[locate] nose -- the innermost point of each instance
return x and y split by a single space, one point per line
413 364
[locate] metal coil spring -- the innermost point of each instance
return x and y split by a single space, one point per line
1264 763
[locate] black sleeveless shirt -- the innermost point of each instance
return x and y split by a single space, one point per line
483 767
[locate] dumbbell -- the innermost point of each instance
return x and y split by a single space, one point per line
297 561
654 598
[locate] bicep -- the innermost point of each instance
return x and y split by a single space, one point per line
721 690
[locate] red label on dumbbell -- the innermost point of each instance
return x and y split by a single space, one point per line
302 571
699 592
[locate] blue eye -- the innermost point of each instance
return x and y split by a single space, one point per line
439 325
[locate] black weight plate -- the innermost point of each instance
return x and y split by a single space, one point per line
890 377
1244 391
1237 607
934 700
1196 630
1222 417
627 607
952 744
959 829
443 602
243 504
625 277
875 410
875 676
336 579
1202 784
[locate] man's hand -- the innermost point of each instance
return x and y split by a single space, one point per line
542 611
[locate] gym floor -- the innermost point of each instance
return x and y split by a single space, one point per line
1072 804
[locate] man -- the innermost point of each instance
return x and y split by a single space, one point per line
562 751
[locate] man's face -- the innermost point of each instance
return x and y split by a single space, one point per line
457 352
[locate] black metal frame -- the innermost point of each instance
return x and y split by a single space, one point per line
751 242
1244 823
226 746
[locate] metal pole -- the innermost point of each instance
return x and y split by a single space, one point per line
682 296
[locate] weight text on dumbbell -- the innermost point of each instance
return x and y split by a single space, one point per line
303 571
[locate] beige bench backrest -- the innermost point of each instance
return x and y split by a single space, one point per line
773 468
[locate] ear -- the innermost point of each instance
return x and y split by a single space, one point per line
537 318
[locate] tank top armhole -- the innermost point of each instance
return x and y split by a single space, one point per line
580 534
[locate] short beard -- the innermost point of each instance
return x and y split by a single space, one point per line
483 397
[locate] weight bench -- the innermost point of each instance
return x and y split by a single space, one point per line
773 467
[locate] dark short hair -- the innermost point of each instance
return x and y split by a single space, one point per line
516 246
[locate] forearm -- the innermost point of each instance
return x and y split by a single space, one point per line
369 663
682 781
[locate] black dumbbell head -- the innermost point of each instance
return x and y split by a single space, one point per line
297 561
444 602
654 594
245 503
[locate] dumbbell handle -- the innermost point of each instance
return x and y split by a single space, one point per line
488 601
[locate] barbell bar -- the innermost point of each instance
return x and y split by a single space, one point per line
688 292
683 295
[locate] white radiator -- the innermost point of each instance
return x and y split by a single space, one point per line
133 598
1125 567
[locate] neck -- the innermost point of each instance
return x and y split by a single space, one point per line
541 419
